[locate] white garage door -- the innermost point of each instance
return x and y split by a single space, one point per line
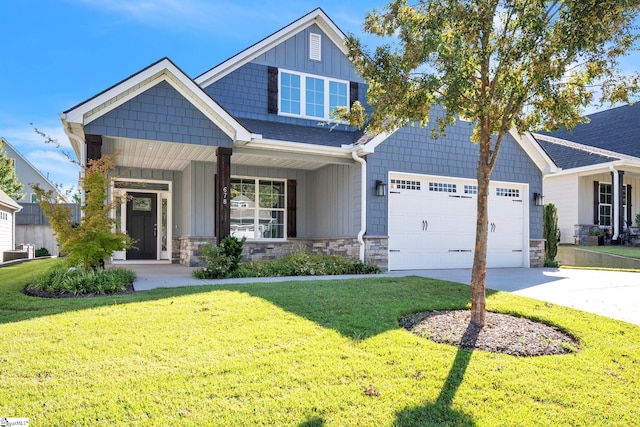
432 223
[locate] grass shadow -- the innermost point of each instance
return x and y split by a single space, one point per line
440 412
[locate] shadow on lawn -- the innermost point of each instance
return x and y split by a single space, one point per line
440 413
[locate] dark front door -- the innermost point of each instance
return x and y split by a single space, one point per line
142 226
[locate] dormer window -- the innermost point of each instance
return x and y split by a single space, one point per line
315 47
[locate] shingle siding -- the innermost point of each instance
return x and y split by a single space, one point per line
412 150
160 113
244 92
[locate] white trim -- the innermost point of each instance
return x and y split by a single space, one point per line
257 208
163 70
326 107
317 17
120 256
535 152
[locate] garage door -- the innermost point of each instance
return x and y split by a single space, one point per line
432 223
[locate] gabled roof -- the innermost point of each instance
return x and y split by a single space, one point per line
569 155
162 70
316 16
616 130
8 202
15 152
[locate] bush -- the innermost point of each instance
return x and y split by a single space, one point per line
304 264
61 280
551 263
40 252
220 261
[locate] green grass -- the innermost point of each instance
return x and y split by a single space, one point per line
299 354
626 251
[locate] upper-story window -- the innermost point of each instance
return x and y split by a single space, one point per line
310 96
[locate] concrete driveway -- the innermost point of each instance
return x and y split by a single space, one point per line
608 293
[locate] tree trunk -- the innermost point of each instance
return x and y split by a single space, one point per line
479 271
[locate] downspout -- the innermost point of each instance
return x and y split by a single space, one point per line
616 203
363 202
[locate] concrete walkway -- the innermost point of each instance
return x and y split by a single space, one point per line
608 293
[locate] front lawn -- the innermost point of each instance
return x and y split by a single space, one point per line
626 251
316 353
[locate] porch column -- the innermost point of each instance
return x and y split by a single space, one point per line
94 147
223 190
620 202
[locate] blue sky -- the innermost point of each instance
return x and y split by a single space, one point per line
58 53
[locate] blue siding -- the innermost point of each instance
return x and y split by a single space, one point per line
160 113
244 91
412 150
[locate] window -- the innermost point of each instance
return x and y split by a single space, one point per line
403 184
258 208
442 187
310 96
605 205
507 192
290 93
470 189
606 202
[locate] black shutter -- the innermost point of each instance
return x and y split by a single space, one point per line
94 146
629 207
353 92
596 202
291 208
272 88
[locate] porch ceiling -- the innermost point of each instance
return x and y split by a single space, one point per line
149 154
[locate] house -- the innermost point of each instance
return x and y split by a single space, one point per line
8 209
598 186
239 149
32 227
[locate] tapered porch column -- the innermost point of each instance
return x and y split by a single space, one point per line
223 193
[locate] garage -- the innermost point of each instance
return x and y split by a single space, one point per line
432 223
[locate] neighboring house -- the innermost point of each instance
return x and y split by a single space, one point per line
31 225
8 209
599 182
239 150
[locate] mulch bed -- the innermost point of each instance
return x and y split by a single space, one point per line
502 333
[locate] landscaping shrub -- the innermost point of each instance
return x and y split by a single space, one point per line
61 280
220 261
305 264
40 252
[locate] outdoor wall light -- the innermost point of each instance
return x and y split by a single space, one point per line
381 188
537 199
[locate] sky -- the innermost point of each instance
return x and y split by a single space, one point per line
55 54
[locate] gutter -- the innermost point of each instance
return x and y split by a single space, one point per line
363 202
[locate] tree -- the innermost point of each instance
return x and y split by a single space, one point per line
550 231
8 179
502 64
93 239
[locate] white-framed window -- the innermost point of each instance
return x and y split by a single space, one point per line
605 204
258 208
310 96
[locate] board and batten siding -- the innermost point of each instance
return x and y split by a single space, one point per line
563 192
333 201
